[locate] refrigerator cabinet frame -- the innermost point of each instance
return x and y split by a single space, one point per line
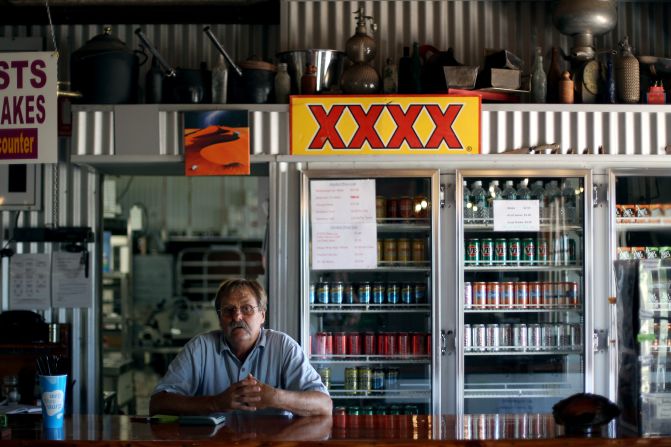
346 174
588 234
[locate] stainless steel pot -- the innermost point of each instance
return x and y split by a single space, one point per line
329 63
584 19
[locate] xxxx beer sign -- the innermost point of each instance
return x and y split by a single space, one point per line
385 125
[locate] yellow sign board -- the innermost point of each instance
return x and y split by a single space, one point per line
385 125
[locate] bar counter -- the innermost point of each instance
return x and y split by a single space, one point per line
257 430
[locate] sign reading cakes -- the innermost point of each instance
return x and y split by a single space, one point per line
385 125
28 114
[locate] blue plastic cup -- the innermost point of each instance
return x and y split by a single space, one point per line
53 400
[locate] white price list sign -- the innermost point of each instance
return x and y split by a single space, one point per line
344 229
516 215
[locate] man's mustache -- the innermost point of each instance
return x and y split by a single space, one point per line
238 325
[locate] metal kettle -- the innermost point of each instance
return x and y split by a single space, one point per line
105 71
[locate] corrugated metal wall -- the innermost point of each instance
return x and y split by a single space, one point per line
69 198
466 26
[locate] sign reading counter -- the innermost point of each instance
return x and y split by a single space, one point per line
344 229
28 108
385 125
516 215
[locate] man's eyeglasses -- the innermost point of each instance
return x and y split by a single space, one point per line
231 311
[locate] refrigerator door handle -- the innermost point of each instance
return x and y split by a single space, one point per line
446 339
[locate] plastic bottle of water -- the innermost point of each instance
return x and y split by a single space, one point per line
523 193
568 199
552 193
509 192
480 201
468 206
494 192
538 193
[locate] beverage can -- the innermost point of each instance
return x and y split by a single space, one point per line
320 343
378 293
417 344
379 251
405 210
473 251
514 251
407 294
664 252
420 293
535 295
468 295
392 378
493 295
507 299
521 294
486 251
468 337
313 292
377 383
479 337
428 345
337 290
652 253
322 293
534 337
505 336
403 250
364 292
393 293
520 336
353 343
418 250
364 379
369 343
528 251
351 380
348 294
571 293
392 344
548 294
325 374
492 337
339 343
389 250
541 251
392 208
380 207
339 417
403 348
479 295
500 251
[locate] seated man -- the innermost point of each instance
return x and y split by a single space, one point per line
242 366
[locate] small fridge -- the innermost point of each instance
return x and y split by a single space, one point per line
641 249
369 287
524 300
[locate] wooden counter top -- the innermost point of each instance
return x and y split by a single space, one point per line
256 430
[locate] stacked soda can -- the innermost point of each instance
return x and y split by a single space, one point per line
388 344
514 251
627 253
368 380
404 208
520 295
401 251
522 337
510 426
338 293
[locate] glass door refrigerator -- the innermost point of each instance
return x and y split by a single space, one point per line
368 264
523 303
641 247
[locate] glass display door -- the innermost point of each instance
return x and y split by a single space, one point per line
522 342
368 287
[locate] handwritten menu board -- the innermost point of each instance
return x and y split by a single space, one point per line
344 231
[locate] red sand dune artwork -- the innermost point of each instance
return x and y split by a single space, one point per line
216 150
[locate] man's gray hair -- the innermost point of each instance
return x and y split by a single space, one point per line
229 286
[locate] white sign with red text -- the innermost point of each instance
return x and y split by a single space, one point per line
344 229
28 107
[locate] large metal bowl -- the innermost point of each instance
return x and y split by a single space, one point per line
329 63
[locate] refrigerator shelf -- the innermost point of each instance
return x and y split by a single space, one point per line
522 268
544 309
417 393
386 266
469 227
543 350
371 359
422 226
369 308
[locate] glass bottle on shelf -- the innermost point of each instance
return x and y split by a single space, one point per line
538 78
389 78
219 82
552 192
282 84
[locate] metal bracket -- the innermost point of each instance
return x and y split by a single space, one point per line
442 196
600 340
